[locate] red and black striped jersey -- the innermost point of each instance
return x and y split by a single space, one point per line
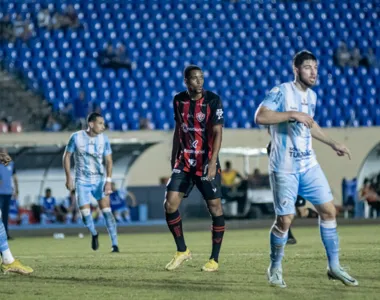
195 120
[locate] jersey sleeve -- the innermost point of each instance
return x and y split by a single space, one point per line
217 116
175 111
274 100
107 146
70 147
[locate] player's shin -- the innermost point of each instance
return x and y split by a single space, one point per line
218 228
174 222
111 225
4 248
278 239
88 221
330 239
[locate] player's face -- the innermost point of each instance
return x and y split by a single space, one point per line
98 125
307 72
195 82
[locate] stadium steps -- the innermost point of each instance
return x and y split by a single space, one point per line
22 105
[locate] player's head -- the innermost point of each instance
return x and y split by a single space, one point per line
95 123
48 193
193 78
228 165
305 68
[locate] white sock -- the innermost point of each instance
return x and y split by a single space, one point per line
7 257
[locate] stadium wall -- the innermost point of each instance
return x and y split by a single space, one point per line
154 163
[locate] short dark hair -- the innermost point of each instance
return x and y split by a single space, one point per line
301 56
92 117
228 164
188 69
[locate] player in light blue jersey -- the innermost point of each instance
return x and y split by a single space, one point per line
8 262
90 147
289 110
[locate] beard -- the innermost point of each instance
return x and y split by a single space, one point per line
303 81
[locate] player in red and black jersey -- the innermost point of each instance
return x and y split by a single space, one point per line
196 144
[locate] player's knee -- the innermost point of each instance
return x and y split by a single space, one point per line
85 212
106 210
283 222
215 209
328 214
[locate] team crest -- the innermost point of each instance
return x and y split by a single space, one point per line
200 116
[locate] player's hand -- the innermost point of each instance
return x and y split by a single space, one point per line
5 158
107 189
303 118
211 172
341 150
69 184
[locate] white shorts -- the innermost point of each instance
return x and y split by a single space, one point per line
311 185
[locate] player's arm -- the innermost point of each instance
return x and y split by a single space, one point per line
109 164
15 183
176 145
66 161
317 133
271 111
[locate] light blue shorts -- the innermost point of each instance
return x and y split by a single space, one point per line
311 185
84 191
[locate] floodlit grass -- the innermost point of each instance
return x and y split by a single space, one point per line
69 269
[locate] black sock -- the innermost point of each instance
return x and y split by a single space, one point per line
217 236
290 234
174 222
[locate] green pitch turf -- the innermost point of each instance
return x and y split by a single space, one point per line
69 269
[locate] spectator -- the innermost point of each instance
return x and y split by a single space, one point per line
106 56
81 109
71 17
230 176
14 213
369 60
119 204
44 19
6 29
8 187
48 208
146 124
342 56
368 193
68 209
355 57
122 58
52 124
22 29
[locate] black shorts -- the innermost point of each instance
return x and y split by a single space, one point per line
184 182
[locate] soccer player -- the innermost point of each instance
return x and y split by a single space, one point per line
9 263
90 147
194 160
289 109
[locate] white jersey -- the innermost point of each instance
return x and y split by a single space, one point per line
292 150
88 156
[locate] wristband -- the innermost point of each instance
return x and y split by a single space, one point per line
108 179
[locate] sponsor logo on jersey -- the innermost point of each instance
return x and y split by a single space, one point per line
296 153
186 129
219 113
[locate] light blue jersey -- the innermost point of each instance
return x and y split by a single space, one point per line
88 156
291 150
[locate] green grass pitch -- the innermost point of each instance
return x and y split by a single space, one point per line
69 269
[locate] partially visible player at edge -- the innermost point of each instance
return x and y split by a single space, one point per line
289 109
9 263
90 147
194 160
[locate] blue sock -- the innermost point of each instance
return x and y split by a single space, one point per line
278 241
329 236
3 237
88 221
111 225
